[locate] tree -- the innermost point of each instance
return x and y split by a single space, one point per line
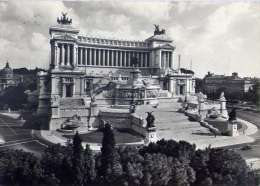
57 164
90 172
17 166
227 167
157 169
110 169
198 85
77 160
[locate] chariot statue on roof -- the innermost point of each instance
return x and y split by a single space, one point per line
157 30
64 20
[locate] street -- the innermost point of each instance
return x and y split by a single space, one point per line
254 118
20 135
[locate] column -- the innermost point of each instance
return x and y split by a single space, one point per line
57 54
104 57
124 59
158 58
162 60
146 59
62 54
74 55
121 58
168 60
172 60
90 57
79 51
86 56
67 54
149 61
129 59
112 58
142 60
99 57
94 56
116 58
107 61
81 54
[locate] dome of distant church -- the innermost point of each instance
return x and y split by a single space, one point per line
6 72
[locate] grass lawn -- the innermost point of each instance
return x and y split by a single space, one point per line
121 136
222 125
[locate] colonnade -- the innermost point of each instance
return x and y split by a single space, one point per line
68 54
167 58
106 57
64 54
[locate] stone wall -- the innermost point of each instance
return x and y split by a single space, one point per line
138 125
116 119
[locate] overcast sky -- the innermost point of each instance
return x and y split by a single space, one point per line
218 37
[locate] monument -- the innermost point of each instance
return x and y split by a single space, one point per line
88 74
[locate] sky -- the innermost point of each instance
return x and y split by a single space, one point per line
218 37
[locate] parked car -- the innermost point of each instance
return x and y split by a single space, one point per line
247 147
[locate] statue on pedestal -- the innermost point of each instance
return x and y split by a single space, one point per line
134 62
233 114
150 120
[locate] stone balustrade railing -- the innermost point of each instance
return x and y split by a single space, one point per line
113 42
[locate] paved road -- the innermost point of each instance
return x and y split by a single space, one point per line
20 135
254 118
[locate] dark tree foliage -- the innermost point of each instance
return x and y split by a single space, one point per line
19 167
77 160
15 96
227 167
198 85
57 164
107 149
161 163
132 164
171 148
90 172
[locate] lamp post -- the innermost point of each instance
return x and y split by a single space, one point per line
186 86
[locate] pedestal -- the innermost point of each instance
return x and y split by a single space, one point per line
151 134
232 128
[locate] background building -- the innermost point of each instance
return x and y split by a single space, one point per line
8 78
211 83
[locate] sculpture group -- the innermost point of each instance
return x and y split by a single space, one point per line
63 20
157 30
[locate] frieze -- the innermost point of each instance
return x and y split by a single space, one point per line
108 94
152 94
127 94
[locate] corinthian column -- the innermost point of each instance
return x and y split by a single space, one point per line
68 54
107 62
62 54
117 58
90 57
112 58
168 60
142 60
121 58
104 58
124 59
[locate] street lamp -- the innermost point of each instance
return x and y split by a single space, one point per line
186 86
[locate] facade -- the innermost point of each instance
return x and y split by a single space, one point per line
211 83
85 67
8 78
